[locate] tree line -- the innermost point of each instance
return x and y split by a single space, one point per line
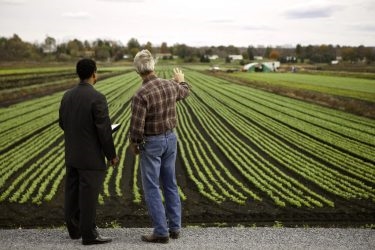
15 49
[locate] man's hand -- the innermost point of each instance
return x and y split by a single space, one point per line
178 75
114 162
134 148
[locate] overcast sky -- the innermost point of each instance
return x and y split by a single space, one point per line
193 22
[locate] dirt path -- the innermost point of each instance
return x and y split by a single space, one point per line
199 238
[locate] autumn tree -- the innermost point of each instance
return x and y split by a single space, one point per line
274 54
267 52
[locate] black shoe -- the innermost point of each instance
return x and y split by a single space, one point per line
97 240
174 234
155 239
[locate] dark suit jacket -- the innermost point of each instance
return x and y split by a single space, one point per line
84 117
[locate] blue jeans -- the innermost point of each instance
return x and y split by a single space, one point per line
157 162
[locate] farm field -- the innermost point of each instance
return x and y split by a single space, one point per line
246 156
350 92
18 84
363 89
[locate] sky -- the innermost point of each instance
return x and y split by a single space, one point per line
193 22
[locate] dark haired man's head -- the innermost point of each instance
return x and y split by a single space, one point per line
85 68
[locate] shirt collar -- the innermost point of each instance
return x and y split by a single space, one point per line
85 83
149 78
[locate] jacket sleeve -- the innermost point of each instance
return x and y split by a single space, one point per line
103 126
61 114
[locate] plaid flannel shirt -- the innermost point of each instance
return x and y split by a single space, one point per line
154 107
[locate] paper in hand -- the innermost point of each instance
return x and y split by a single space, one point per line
115 127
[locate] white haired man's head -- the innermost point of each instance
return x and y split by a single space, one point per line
144 62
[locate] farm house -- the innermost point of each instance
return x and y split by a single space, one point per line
261 67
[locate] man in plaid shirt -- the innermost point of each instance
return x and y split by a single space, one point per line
151 135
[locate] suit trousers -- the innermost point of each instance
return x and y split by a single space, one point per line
82 189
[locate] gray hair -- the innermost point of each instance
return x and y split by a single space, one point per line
144 62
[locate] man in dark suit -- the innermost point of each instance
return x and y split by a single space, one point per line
84 117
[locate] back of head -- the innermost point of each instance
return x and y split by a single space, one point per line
144 62
85 68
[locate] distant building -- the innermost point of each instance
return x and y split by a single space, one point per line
258 57
261 67
236 57
163 56
291 59
272 65
250 67
213 57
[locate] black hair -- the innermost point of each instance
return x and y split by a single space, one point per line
85 68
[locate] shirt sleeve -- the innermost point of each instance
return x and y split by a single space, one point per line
103 126
137 121
183 90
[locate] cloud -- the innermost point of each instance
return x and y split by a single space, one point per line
123 1
257 27
222 21
368 4
13 2
76 15
368 27
312 10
